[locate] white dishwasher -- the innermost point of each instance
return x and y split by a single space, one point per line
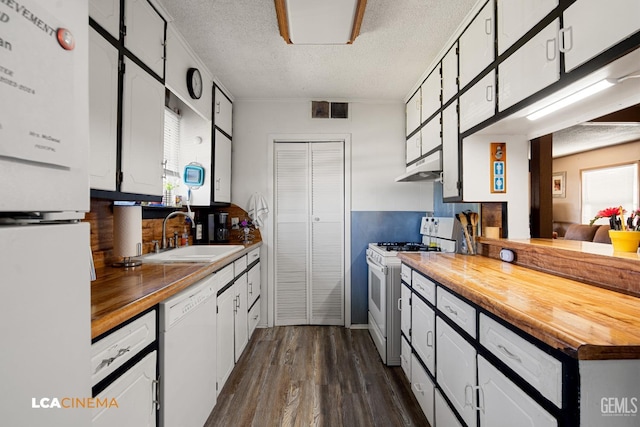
188 355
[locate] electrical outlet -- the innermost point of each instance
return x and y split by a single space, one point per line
234 222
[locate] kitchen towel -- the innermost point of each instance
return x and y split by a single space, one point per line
258 209
127 231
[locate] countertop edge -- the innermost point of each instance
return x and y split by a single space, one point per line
111 320
533 327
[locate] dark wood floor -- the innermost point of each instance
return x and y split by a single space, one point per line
315 376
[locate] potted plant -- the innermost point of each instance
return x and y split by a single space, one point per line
625 235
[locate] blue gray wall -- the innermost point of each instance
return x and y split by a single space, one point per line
375 226
379 226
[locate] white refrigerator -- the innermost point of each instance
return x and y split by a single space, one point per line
45 294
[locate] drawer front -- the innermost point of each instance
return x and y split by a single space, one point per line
253 256
424 287
405 358
541 370
253 284
422 388
115 349
240 265
253 318
405 274
505 403
457 310
224 276
135 391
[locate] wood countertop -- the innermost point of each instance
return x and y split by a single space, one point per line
581 320
119 294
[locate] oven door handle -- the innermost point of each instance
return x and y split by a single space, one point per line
376 267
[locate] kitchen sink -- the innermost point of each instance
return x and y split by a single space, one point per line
198 253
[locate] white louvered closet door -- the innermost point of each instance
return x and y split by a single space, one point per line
309 215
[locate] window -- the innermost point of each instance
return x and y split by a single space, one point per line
171 146
607 187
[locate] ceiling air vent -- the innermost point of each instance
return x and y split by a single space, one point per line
326 110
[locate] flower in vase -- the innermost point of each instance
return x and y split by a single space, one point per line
615 215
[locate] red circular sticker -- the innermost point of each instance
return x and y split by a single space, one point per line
66 39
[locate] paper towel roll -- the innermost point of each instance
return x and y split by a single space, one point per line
127 231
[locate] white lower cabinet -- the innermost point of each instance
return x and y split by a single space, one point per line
225 332
443 414
423 337
422 388
240 323
253 318
456 371
405 310
135 393
504 404
405 357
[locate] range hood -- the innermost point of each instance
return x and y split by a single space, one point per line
427 169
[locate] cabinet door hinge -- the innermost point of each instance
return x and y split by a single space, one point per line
459 185
121 66
124 30
410 329
119 177
216 313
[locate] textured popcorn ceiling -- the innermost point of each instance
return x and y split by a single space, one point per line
239 42
589 136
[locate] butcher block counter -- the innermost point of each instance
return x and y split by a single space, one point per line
119 294
584 321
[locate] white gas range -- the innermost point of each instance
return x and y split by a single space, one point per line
438 234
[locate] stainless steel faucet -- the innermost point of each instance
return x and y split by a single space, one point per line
164 225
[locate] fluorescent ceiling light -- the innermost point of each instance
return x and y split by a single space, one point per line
573 98
320 22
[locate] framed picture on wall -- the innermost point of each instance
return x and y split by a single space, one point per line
559 184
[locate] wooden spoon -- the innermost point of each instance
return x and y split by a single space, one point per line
465 224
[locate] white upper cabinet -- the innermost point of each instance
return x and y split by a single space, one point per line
516 17
450 74
180 58
103 112
430 139
431 94
592 26
478 103
144 34
476 45
107 14
450 152
221 168
223 112
413 112
414 147
531 68
142 132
